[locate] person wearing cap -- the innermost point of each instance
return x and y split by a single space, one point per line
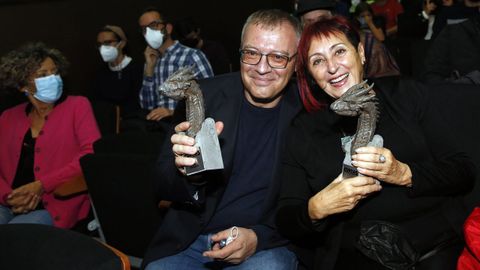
310 11
163 56
118 82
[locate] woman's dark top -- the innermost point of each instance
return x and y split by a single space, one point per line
24 174
415 135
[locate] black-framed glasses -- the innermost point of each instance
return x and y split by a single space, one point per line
155 25
274 60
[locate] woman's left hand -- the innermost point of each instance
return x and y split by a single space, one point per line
380 163
33 191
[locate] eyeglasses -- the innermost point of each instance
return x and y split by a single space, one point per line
108 42
153 25
274 60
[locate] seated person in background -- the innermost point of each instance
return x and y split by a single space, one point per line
164 56
310 11
118 82
412 187
388 9
379 61
374 25
42 140
453 12
254 106
454 55
189 34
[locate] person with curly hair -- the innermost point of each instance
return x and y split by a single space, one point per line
42 140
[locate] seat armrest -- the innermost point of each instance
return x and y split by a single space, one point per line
74 186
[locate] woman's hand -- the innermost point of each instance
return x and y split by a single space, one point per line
184 146
380 163
341 195
25 198
28 203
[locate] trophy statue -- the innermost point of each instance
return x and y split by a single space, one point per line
359 100
182 85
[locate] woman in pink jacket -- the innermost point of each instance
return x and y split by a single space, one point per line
42 140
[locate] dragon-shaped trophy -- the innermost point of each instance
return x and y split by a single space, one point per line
183 85
359 100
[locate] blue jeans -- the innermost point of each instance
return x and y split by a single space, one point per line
279 258
37 217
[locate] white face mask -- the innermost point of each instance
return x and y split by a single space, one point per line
154 38
108 53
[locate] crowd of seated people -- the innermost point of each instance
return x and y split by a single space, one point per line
288 201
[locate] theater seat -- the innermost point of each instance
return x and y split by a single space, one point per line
41 247
121 191
458 107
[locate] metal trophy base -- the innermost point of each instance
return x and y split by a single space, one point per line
209 155
348 170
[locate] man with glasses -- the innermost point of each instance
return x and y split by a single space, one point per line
164 56
224 219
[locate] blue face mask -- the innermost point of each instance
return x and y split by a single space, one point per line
49 88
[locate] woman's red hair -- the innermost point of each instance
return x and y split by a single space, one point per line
337 25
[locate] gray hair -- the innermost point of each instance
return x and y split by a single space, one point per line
272 18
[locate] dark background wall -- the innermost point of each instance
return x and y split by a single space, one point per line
72 25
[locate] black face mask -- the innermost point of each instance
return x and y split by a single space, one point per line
191 42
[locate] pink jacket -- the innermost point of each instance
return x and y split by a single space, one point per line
69 133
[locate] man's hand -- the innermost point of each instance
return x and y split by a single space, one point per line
238 250
158 113
184 146
368 20
151 56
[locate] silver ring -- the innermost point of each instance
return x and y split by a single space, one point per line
382 158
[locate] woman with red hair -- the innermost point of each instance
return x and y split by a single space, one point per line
402 209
